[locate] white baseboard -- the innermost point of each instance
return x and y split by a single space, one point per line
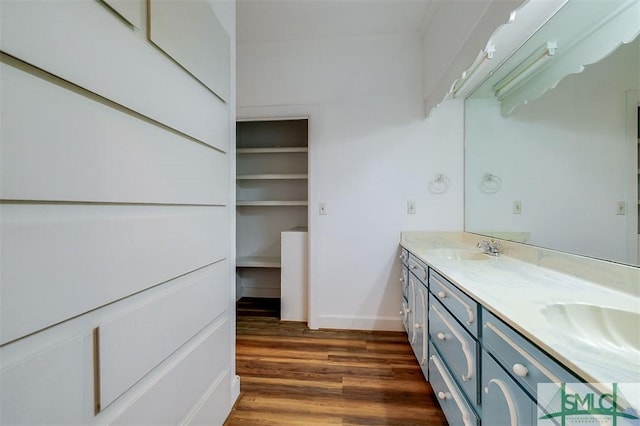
347 322
235 389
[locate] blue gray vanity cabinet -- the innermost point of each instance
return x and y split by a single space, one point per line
482 371
419 335
453 330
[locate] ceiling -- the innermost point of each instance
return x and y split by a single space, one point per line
265 21
453 31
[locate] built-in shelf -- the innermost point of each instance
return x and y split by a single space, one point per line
258 262
271 203
272 176
273 150
272 165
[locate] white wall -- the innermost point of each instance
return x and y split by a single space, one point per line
565 156
371 151
116 195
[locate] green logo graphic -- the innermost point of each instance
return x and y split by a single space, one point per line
568 404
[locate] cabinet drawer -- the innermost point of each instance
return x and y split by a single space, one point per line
418 268
462 306
527 364
456 409
404 256
503 401
457 347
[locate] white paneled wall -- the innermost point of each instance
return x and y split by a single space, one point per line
85 44
154 165
116 301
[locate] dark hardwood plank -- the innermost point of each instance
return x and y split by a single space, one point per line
291 375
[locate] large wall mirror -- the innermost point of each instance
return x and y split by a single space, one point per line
551 147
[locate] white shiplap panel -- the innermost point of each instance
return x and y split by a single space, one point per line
132 11
59 261
191 34
171 398
80 41
103 154
46 388
135 342
215 408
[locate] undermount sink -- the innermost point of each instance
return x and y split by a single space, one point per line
601 326
457 254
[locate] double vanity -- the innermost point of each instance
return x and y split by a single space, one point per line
490 330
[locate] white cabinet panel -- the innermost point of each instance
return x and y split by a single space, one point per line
59 261
80 41
294 275
46 388
103 154
169 400
134 343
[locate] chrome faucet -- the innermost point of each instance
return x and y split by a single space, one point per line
492 248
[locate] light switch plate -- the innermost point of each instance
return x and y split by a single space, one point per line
517 207
411 207
322 209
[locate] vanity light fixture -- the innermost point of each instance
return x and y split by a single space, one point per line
524 70
484 56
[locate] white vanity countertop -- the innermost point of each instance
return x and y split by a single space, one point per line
518 291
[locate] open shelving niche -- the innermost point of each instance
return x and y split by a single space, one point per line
271 197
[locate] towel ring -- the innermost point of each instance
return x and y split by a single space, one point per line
490 183
440 184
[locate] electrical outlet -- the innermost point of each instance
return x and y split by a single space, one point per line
517 207
322 209
621 208
411 207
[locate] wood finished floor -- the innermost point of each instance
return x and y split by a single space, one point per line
291 375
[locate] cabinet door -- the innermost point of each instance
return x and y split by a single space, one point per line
404 280
418 314
422 329
411 332
503 401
